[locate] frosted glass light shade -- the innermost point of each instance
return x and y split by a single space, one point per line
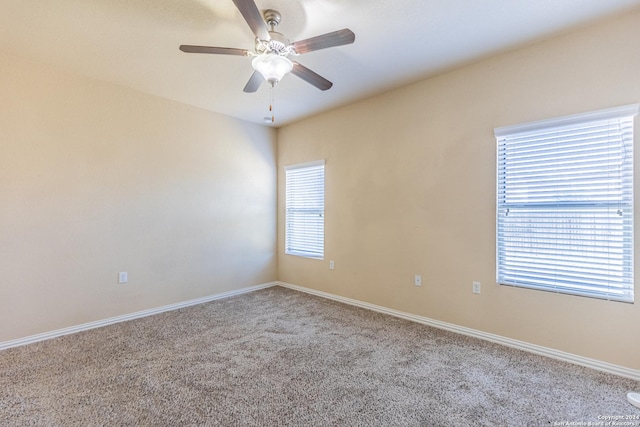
272 67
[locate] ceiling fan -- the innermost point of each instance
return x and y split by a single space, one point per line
272 49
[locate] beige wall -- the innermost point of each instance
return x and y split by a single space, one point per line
410 189
97 179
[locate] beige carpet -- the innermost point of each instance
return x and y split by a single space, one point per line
280 357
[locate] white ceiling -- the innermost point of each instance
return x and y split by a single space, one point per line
134 43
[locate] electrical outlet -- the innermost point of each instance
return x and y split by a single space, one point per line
476 287
418 280
332 265
123 277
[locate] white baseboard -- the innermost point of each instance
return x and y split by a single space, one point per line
622 371
633 374
99 323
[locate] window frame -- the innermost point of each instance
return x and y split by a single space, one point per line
624 292
308 230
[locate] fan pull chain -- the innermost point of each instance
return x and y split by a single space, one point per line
271 108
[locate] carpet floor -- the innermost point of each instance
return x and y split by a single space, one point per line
278 357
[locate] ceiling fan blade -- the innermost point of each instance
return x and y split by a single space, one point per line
252 15
310 76
254 82
215 50
336 38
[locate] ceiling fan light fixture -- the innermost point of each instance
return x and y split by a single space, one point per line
273 67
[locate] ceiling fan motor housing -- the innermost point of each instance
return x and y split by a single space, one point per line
278 44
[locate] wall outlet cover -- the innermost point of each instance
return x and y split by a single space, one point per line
476 287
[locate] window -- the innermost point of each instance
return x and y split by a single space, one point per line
304 222
565 204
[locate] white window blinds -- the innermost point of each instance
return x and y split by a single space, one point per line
565 204
304 218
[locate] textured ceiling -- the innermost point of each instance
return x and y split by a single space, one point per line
134 43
